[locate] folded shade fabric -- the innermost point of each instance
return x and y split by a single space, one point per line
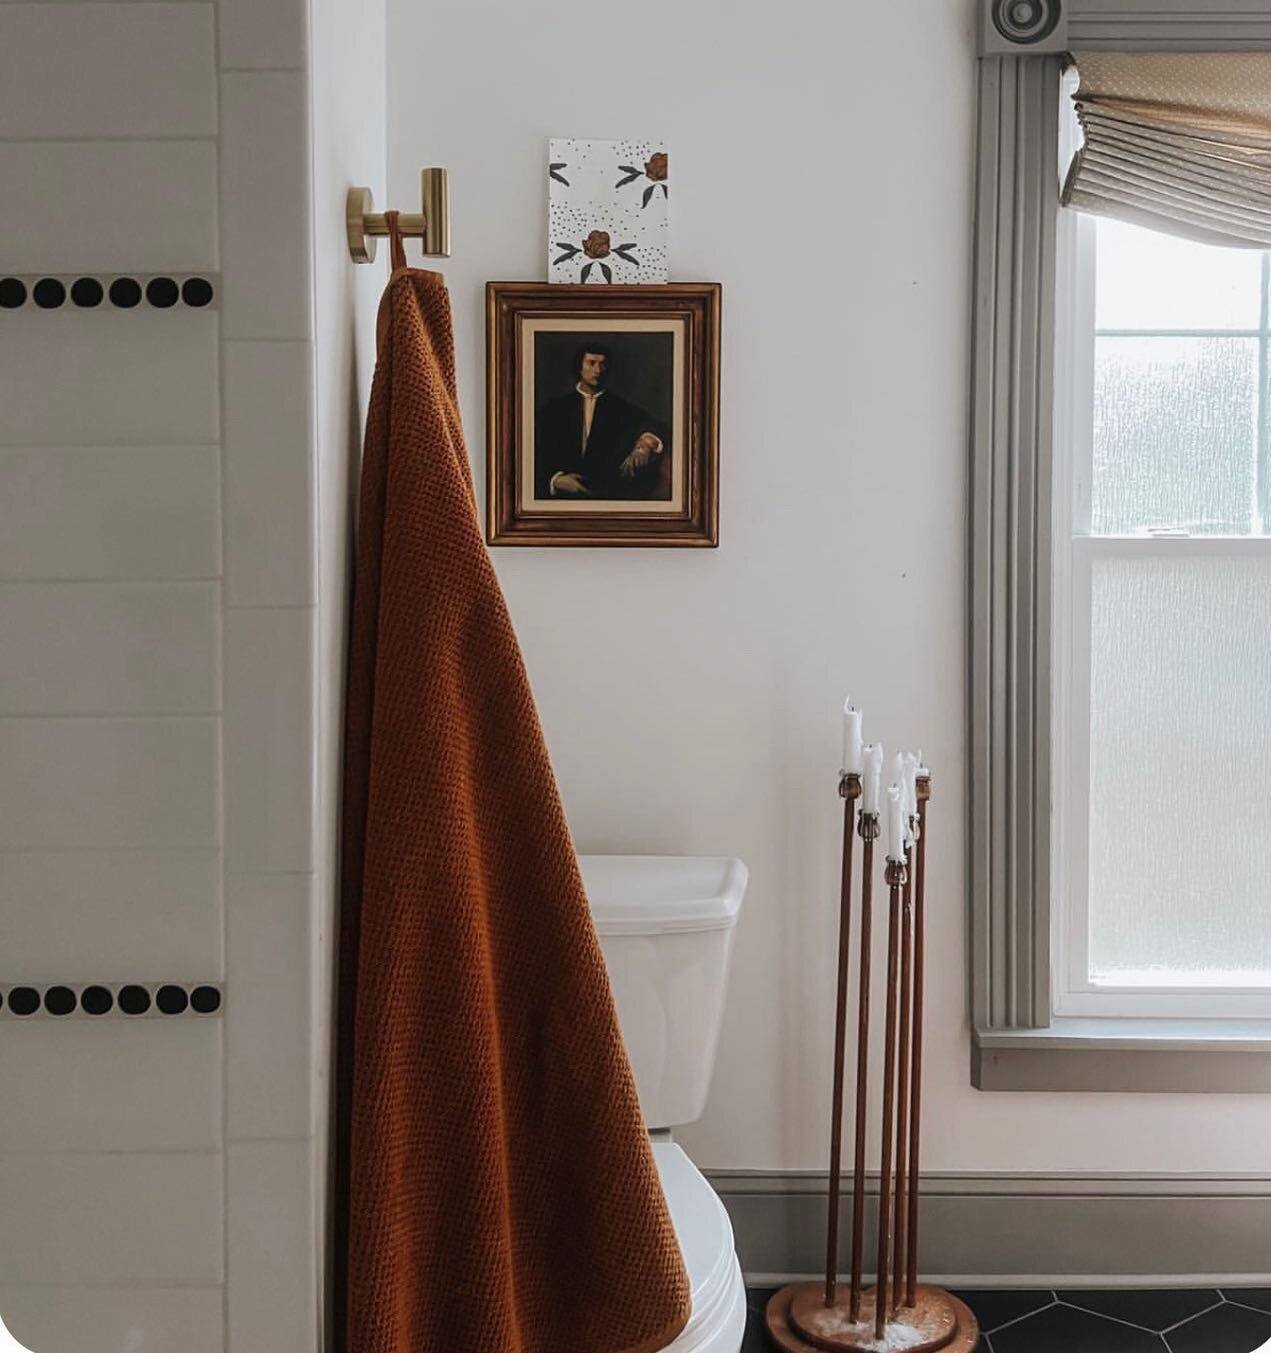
497 1191
1176 141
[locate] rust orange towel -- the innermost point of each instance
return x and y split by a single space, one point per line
501 1194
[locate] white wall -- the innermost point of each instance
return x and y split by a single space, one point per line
349 148
822 164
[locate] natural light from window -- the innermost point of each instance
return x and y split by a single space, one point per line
1167 697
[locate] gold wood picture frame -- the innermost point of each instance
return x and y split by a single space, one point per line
602 414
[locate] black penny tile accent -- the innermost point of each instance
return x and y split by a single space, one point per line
196 291
996 1306
205 1000
59 1000
24 1000
48 293
125 292
1151 1308
1257 1297
172 1000
134 1000
87 292
162 292
96 1000
1225 1329
1065 1329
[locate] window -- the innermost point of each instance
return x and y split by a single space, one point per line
1162 628
1120 646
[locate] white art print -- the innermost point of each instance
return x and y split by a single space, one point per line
607 211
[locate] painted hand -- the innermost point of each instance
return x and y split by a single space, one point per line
647 446
569 486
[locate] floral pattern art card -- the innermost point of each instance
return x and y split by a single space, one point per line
607 211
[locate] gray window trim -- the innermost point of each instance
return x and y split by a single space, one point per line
1016 1044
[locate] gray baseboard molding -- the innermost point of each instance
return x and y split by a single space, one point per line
1023 1230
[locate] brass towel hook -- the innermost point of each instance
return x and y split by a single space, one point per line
432 224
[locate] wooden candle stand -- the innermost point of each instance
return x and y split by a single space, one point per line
898 1312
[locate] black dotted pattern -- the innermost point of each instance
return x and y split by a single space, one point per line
161 291
128 999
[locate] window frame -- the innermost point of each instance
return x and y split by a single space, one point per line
1076 550
1017 1042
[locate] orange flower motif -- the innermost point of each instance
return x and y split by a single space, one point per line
655 167
596 245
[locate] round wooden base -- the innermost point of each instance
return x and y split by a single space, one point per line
800 1322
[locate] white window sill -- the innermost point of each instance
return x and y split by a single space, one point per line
1217 1056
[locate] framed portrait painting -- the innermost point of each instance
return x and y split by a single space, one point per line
603 414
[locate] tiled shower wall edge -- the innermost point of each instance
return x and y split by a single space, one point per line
270 729
158 740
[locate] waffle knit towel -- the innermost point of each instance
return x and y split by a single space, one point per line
500 1190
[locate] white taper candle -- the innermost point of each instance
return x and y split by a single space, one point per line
873 786
895 824
852 745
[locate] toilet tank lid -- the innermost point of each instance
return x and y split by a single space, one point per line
653 894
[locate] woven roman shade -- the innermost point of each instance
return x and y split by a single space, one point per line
1177 141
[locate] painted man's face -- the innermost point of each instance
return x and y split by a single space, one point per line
593 370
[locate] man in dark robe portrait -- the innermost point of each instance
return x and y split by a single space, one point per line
592 443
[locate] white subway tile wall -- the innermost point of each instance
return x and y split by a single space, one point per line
265 246
269 745
109 916
113 1218
111 648
98 187
155 743
62 1079
102 70
127 378
269 481
257 36
73 512
270 1224
270 951
186 1318
109 784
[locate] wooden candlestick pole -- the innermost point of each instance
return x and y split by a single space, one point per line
869 829
905 1187
895 878
850 791
923 784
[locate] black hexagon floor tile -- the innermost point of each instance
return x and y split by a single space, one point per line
1257 1297
756 1338
1225 1329
1065 1329
1150 1308
996 1306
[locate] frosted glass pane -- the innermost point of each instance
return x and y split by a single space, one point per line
1174 435
1144 280
1180 770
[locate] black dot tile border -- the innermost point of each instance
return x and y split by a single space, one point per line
120 1000
71 293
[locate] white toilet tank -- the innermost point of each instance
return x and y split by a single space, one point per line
666 927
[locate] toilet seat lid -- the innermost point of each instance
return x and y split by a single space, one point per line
705 1234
